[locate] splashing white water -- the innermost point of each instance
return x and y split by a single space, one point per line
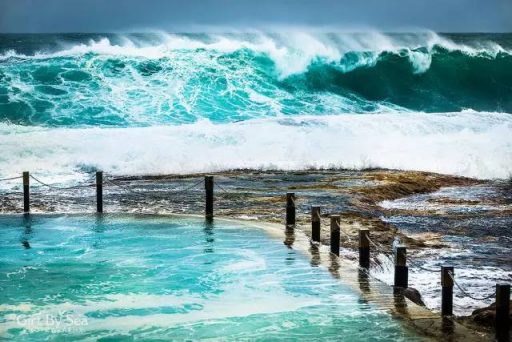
292 52
471 144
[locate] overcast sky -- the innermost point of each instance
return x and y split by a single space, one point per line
190 15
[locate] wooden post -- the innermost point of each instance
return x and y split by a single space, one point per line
447 290
208 186
315 223
364 248
290 209
335 234
26 192
401 269
99 191
502 312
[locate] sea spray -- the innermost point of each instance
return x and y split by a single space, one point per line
162 103
175 79
467 143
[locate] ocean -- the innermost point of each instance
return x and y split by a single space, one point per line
157 103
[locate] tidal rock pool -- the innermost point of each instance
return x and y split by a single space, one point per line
119 277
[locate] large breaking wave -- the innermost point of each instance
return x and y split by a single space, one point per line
124 81
71 103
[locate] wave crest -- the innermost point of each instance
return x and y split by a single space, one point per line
174 79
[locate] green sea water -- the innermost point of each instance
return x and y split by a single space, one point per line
140 80
160 103
123 278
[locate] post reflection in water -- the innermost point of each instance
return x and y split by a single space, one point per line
364 280
99 226
315 256
290 258
334 266
209 239
289 237
400 302
27 231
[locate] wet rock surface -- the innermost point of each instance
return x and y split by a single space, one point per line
484 319
257 195
414 296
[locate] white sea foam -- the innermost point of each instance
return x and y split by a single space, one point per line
232 303
469 143
292 51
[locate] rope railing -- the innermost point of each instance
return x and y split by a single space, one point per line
377 246
52 186
109 180
11 193
221 188
99 181
381 249
401 281
466 293
171 191
10 178
418 265
346 234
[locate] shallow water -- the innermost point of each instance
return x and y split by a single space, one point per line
78 277
474 223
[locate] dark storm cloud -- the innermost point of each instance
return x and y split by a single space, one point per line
183 15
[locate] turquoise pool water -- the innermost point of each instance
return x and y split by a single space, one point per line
161 278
